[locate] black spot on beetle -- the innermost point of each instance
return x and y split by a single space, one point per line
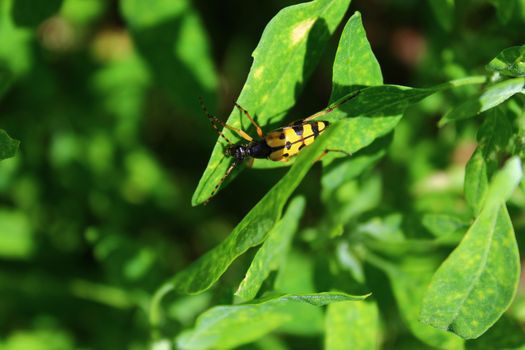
288 145
299 129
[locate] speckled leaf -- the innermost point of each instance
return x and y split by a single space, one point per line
272 253
355 63
376 111
289 50
490 98
444 13
170 37
229 326
510 61
352 325
8 146
477 282
409 279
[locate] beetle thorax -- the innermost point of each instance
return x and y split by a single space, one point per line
239 152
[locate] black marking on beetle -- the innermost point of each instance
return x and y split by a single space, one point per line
281 136
302 146
299 129
288 145
286 155
315 129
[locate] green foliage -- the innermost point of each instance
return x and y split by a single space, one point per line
352 325
477 282
509 62
8 146
214 330
406 234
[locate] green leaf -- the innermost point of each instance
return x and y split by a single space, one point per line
493 137
29 13
355 63
272 253
230 326
444 13
441 225
510 61
8 146
490 98
477 282
170 37
15 47
409 279
16 236
352 325
290 48
476 181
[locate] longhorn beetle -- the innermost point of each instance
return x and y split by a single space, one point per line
278 145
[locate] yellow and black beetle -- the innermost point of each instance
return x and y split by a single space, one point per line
278 145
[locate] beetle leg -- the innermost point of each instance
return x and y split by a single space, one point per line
230 169
259 130
325 152
335 105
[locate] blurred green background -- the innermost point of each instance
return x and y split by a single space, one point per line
95 209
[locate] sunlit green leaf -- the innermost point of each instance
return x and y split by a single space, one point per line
271 254
8 146
510 61
490 98
83 11
355 63
230 326
289 49
352 325
477 282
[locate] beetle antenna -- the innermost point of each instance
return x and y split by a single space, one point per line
213 121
